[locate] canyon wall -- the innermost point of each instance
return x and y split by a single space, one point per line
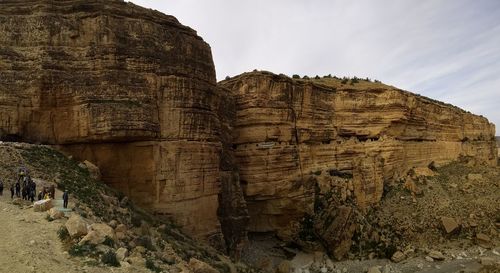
134 91
128 88
295 139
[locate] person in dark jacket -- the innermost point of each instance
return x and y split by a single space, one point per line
18 189
12 191
65 199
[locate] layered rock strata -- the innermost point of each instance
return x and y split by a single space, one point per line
299 140
134 91
129 89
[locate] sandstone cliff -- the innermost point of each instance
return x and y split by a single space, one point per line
130 89
134 91
300 141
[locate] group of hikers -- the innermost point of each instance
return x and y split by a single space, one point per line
25 187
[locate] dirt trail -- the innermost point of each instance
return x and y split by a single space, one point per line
29 243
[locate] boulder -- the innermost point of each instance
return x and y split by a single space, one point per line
97 234
55 213
398 256
483 240
136 260
113 223
449 224
374 269
104 229
92 238
436 255
43 205
120 235
121 228
284 267
93 170
198 266
76 226
121 253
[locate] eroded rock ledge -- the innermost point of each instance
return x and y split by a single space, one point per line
134 91
128 88
298 142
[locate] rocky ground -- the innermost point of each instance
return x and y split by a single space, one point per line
102 232
441 220
29 243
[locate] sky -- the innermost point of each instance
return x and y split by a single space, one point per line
447 50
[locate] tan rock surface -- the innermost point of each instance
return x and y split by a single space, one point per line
129 89
42 205
291 136
449 224
76 226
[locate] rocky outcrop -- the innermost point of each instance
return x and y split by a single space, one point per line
133 91
297 141
128 89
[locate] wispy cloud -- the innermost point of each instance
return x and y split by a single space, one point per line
445 49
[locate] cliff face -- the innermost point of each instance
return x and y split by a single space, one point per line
297 141
134 91
127 88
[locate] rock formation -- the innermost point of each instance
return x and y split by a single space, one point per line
129 89
134 92
300 141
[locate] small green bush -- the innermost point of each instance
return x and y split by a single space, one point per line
81 250
295 76
109 258
63 233
48 218
150 264
108 241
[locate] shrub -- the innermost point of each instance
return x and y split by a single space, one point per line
146 242
63 233
48 218
295 76
354 80
344 80
109 258
227 78
81 250
151 265
317 77
108 241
